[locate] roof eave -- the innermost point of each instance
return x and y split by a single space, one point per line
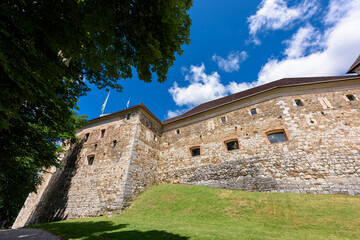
165 122
108 116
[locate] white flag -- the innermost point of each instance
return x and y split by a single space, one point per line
103 106
127 105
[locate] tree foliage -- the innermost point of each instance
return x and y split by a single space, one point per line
105 40
47 50
29 148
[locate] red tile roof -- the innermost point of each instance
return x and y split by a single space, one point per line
355 65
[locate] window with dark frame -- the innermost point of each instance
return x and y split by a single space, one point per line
114 143
178 131
275 137
102 133
253 111
232 145
299 103
351 97
195 151
223 119
90 159
86 137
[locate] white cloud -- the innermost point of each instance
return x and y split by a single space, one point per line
306 38
235 87
310 52
202 88
176 112
338 48
184 70
232 63
275 14
337 9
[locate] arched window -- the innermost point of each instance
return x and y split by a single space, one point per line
90 159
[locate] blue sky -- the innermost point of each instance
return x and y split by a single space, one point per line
237 45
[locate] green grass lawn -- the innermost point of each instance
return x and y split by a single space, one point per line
194 212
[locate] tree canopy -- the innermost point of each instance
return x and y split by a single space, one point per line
47 50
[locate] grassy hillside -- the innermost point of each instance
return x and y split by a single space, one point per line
194 212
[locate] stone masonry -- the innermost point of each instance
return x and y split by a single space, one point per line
126 152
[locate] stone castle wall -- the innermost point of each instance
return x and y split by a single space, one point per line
144 158
321 154
117 174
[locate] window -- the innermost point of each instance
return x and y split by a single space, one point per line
155 138
114 143
128 117
91 159
278 136
351 97
299 103
178 131
232 144
253 111
223 119
86 137
95 146
102 133
195 151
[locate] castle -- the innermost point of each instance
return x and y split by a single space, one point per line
299 135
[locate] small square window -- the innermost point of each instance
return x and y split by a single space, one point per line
195 151
178 131
253 111
90 159
351 97
299 103
277 137
86 137
232 145
223 119
128 117
102 133
114 143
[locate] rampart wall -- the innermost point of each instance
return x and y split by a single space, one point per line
320 154
117 174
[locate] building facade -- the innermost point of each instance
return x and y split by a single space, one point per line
299 135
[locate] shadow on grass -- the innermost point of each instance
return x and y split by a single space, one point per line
138 235
104 230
